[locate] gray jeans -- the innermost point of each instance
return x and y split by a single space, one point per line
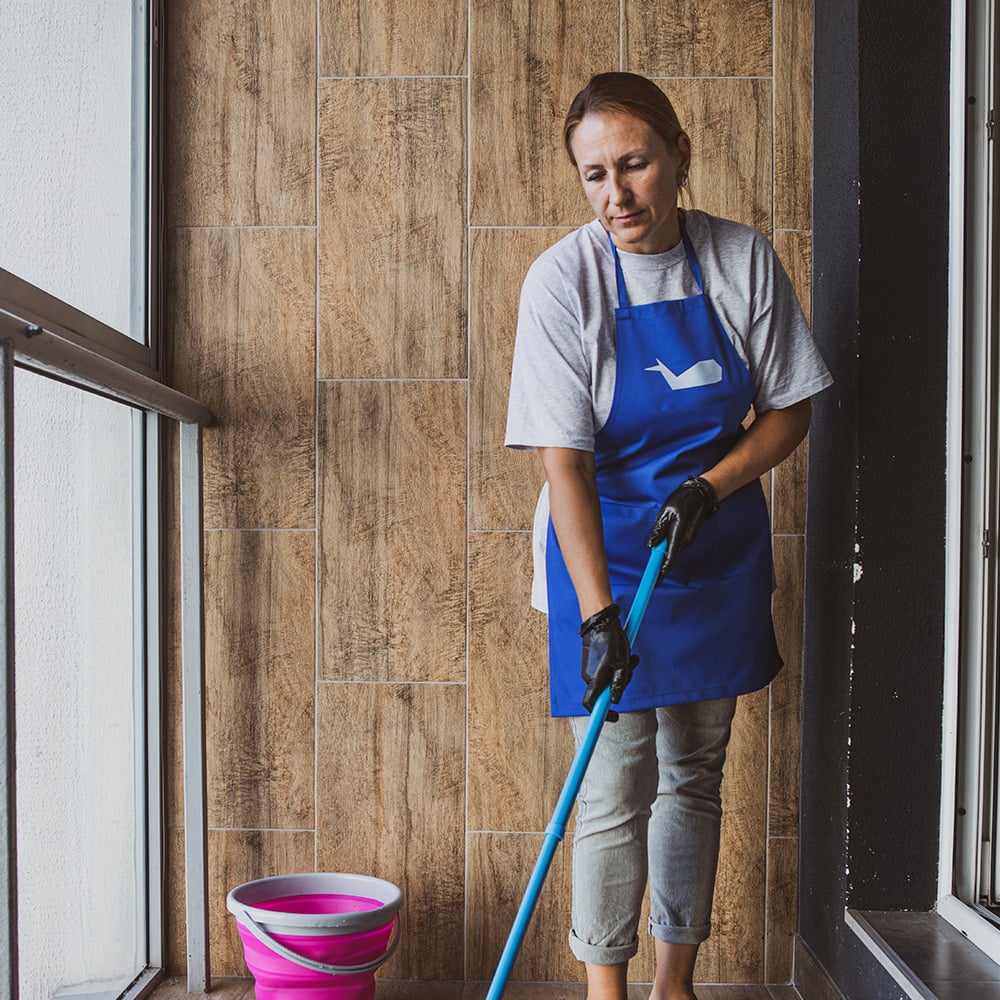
649 806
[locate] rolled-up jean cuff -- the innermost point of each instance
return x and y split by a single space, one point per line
679 935
600 955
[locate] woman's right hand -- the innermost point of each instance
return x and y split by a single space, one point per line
606 660
576 515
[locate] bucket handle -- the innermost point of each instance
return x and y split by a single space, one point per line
309 963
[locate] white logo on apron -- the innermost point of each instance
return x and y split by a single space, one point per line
702 373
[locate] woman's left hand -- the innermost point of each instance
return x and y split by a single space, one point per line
770 439
680 517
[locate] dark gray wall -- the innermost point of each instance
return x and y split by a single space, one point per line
875 552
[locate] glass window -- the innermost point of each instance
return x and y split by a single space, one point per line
79 686
78 269
73 156
970 864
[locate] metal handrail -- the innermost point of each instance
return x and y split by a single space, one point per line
36 347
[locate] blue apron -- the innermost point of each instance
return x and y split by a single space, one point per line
681 393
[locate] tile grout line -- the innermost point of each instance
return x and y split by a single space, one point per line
237 228
394 683
490 226
500 531
260 529
385 380
397 76
260 829
621 35
765 922
317 179
468 478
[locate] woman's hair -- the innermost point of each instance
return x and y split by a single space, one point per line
627 93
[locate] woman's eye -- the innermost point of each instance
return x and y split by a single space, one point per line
637 165
594 177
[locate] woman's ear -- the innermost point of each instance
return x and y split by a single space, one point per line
684 152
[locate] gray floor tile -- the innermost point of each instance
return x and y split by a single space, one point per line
783 992
965 991
175 988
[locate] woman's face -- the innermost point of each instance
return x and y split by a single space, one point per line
630 178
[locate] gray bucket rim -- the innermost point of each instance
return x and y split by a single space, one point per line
241 899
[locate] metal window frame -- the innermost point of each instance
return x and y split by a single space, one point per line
8 817
40 332
152 701
974 443
973 486
43 351
147 898
34 306
193 698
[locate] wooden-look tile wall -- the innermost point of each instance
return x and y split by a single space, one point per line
241 92
354 192
529 58
391 802
242 339
392 255
672 38
392 531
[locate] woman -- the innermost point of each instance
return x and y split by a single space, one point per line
644 339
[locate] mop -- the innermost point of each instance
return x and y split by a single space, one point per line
556 829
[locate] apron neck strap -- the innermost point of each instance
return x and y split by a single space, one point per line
619 277
688 250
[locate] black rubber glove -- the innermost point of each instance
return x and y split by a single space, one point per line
606 660
680 516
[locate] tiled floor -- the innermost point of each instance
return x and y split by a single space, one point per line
242 989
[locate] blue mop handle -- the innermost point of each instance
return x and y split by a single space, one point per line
556 829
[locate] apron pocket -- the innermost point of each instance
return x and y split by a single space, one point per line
626 529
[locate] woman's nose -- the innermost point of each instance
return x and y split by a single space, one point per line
618 191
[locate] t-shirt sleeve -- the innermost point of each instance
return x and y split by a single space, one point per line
786 364
550 402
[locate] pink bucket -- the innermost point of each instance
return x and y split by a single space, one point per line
318 935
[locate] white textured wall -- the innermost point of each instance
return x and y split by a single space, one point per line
74 695
65 150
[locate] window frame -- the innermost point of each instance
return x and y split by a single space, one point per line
40 332
33 305
973 485
151 874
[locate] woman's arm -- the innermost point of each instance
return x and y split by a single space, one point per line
576 516
575 509
770 439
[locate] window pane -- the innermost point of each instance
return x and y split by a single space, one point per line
81 915
67 139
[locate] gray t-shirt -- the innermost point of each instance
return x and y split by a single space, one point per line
563 376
